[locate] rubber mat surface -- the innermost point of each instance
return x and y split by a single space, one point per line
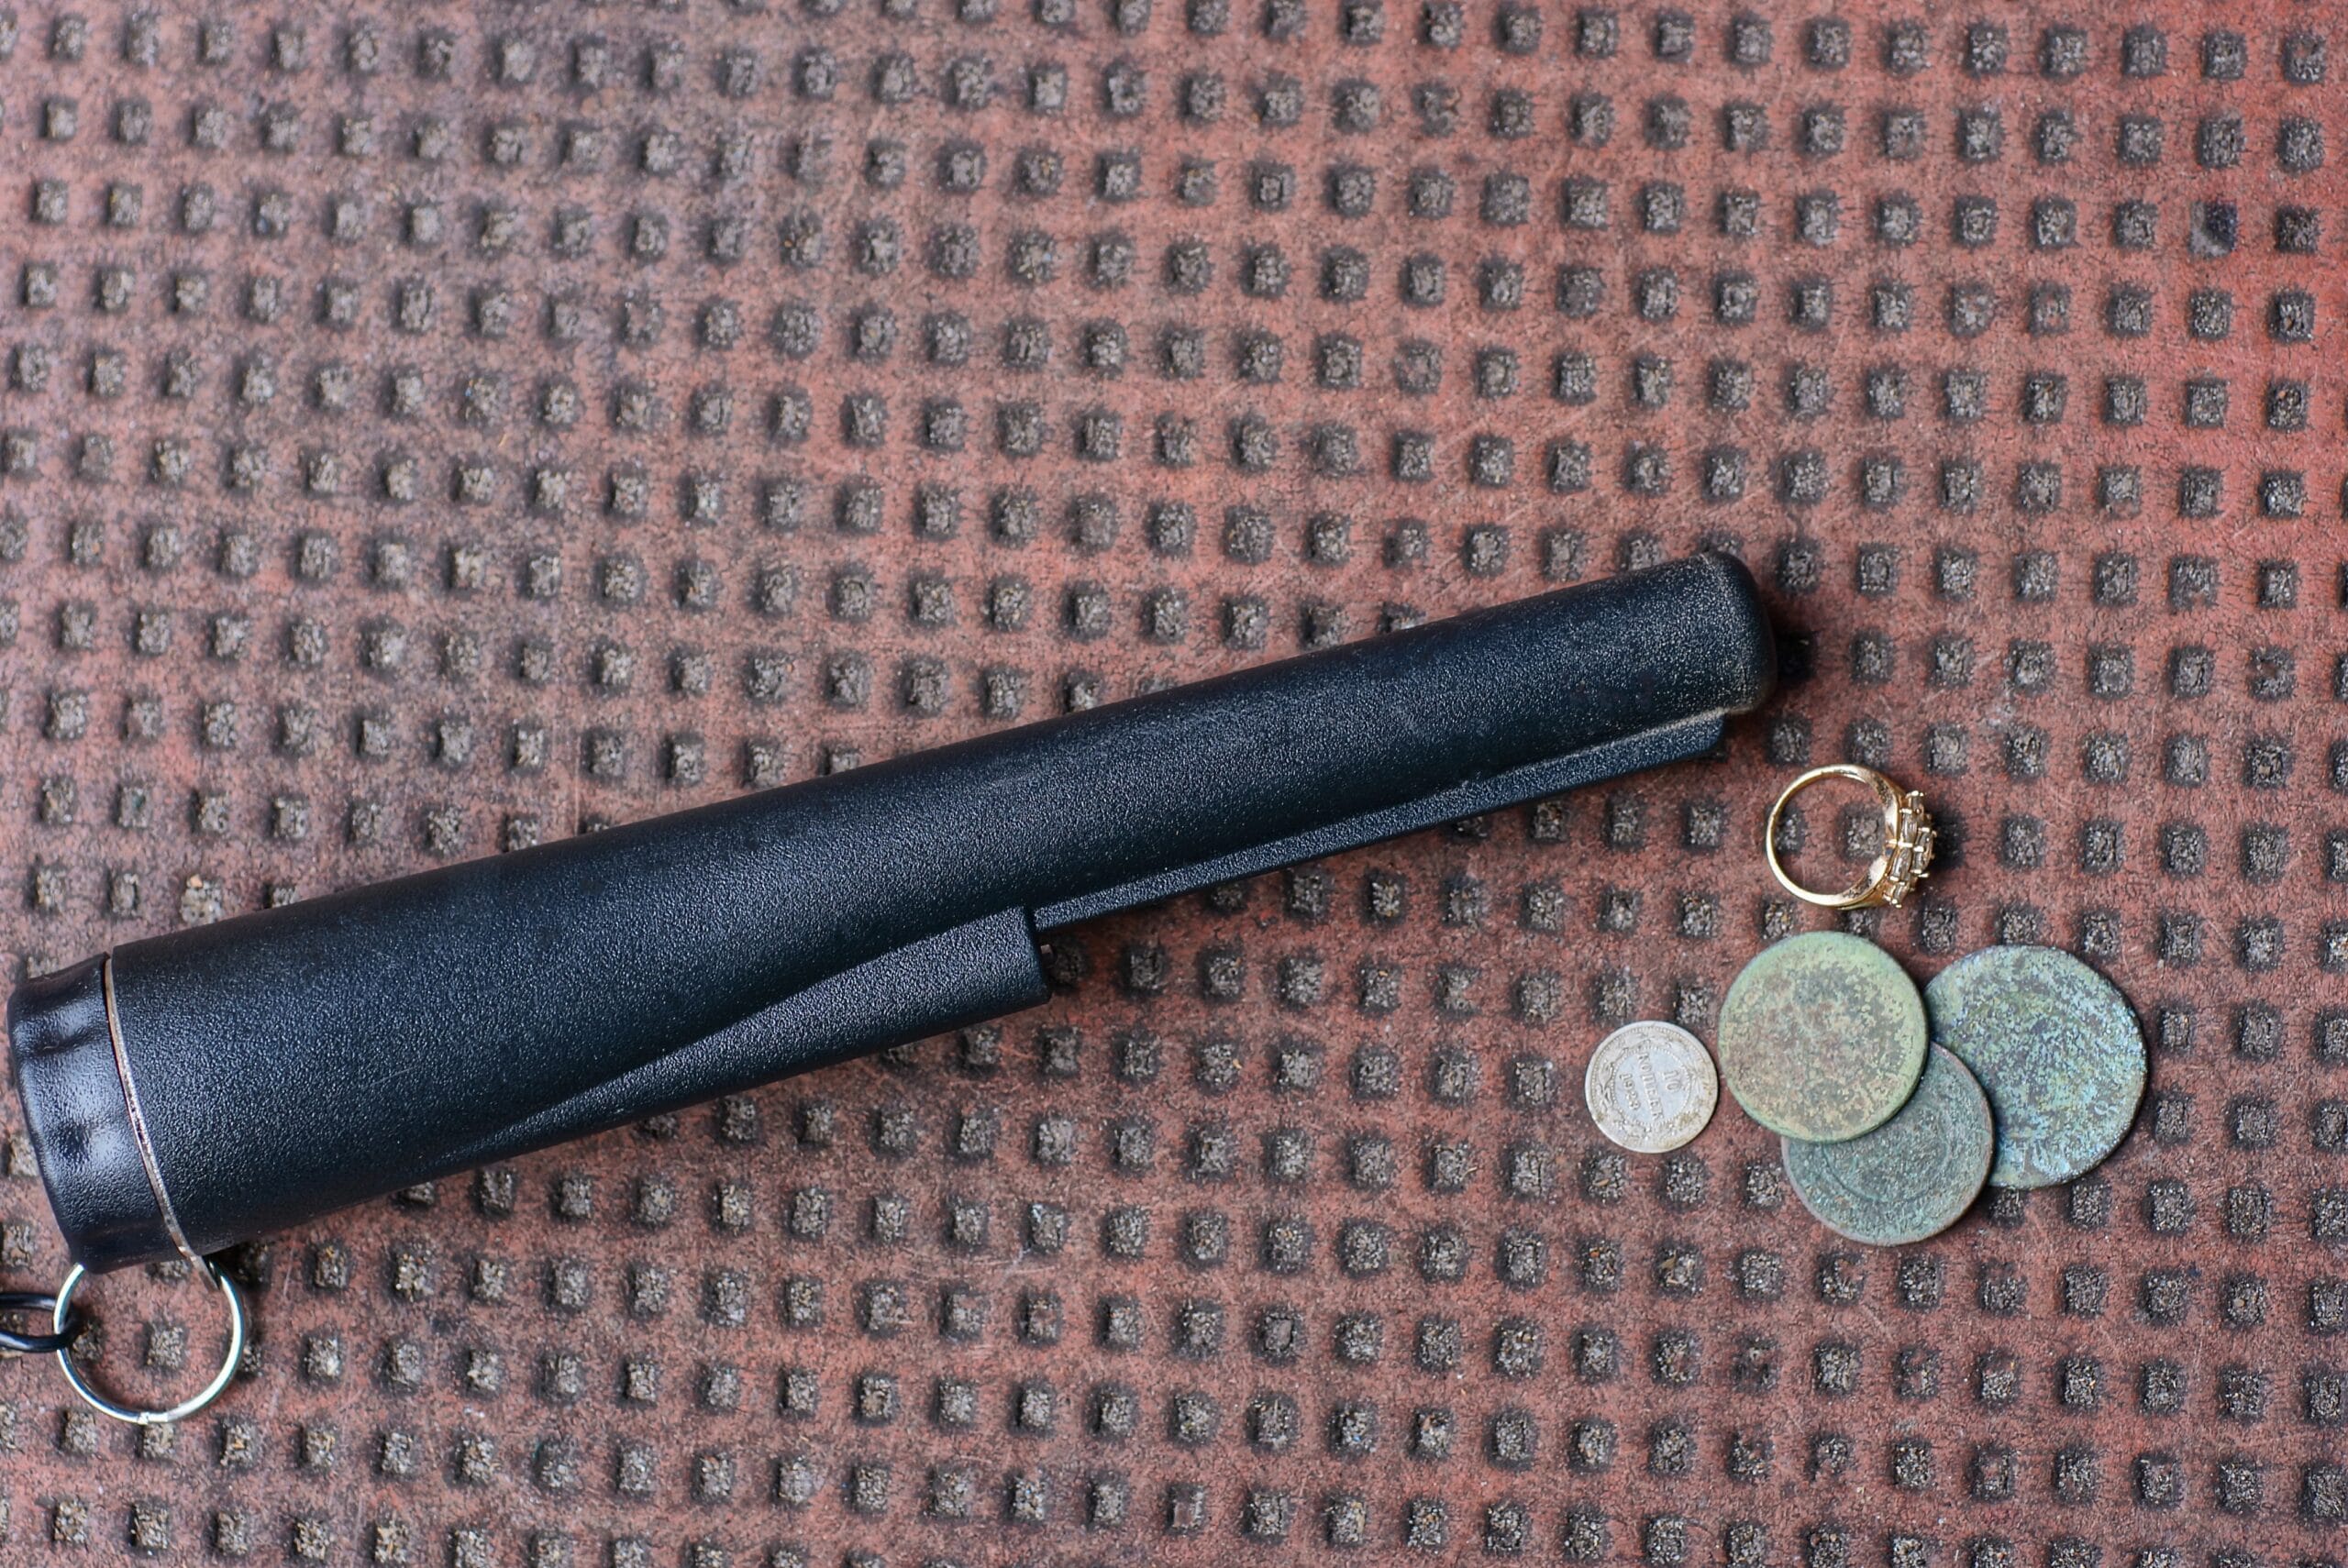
429 430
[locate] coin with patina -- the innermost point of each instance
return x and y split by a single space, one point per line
1913 1176
1650 1086
2056 1048
1821 1037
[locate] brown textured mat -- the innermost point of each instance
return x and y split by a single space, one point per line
429 429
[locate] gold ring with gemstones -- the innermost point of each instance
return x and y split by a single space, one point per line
1907 842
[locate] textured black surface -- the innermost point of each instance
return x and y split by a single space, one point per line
609 977
431 430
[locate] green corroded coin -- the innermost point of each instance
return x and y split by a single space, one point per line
1913 1176
1821 1037
2057 1050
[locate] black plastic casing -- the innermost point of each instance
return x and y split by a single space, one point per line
228 1080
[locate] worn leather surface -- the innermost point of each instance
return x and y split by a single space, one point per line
429 431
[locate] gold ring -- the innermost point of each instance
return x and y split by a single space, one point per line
1908 842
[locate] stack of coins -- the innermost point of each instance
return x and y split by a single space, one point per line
2018 1066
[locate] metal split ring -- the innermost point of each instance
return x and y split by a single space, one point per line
68 1327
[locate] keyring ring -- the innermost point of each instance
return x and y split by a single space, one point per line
185 1408
1907 841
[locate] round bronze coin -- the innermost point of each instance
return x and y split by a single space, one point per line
1913 1176
2055 1049
1821 1037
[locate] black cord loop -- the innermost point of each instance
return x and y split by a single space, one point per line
14 1343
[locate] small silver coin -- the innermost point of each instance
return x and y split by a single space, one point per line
1651 1087
1910 1179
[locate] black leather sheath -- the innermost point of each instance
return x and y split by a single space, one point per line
196 1088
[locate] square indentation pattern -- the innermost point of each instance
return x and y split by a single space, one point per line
427 430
